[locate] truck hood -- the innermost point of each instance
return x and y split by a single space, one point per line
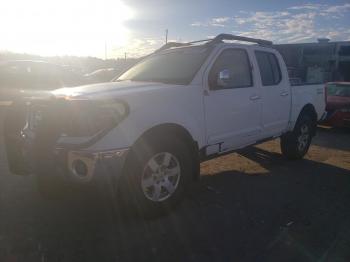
108 89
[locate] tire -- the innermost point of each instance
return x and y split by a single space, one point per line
295 144
157 176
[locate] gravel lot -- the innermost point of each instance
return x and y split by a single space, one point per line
249 206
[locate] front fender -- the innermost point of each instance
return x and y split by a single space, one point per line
182 106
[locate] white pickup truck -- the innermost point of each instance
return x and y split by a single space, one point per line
146 132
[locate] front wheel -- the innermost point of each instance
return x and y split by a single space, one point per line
295 144
157 176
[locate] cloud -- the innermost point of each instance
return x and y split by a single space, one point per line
337 8
280 26
307 7
198 24
324 10
138 47
261 20
216 22
295 24
305 22
219 21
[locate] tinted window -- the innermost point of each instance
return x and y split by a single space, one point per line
275 68
231 70
269 68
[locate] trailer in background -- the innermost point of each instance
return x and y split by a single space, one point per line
319 62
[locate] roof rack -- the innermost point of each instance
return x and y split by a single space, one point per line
222 37
218 39
200 41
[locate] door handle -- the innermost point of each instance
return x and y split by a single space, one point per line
284 94
254 97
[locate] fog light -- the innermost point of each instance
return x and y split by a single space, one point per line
79 168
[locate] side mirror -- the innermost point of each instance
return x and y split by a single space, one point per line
224 78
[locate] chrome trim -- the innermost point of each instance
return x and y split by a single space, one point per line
90 158
90 161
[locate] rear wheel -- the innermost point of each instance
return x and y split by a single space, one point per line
295 144
156 177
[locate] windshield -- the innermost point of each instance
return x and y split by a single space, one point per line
175 67
338 90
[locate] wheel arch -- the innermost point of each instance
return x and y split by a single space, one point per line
310 110
172 130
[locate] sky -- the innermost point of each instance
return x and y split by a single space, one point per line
137 27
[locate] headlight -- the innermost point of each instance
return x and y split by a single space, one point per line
88 117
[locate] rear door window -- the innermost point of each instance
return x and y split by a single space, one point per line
269 67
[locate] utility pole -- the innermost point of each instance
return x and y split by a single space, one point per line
125 56
166 36
105 49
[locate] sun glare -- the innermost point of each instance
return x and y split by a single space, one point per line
63 27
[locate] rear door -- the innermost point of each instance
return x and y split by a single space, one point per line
275 91
232 101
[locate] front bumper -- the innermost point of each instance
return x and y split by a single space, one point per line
37 151
85 166
81 166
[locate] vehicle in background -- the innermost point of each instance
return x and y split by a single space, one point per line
338 104
295 81
21 78
145 134
103 75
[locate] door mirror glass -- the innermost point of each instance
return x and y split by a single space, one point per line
224 78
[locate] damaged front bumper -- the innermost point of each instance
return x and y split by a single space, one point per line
76 166
30 151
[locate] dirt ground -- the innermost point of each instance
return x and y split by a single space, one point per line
252 205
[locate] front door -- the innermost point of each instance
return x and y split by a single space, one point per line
233 102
